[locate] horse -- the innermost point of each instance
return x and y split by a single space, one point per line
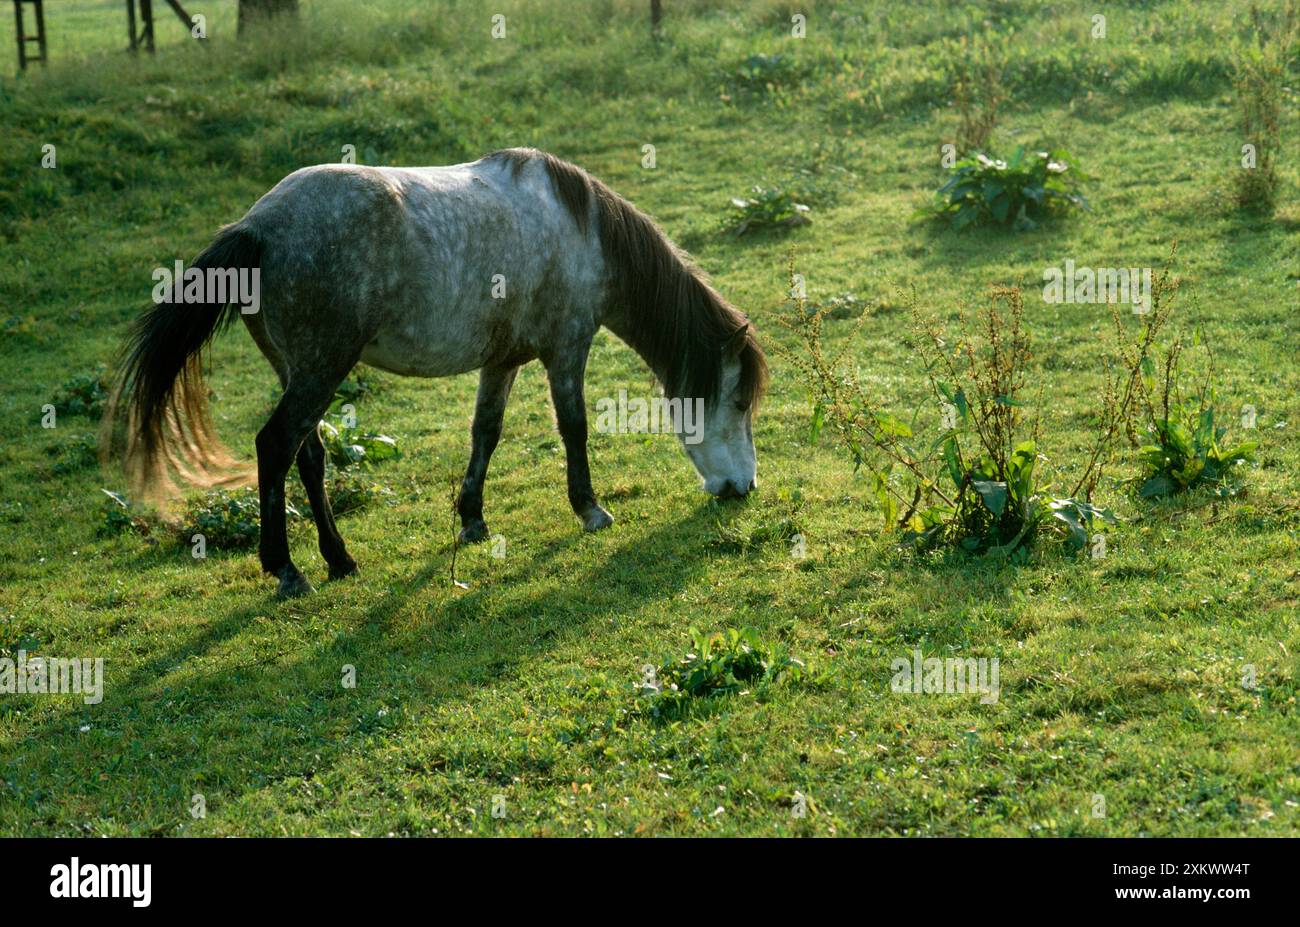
431 272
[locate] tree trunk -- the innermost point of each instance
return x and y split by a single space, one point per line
251 11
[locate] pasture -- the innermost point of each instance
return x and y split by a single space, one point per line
509 704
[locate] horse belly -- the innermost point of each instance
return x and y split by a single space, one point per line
418 354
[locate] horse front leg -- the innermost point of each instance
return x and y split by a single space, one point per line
566 376
489 411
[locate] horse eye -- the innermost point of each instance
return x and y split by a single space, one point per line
741 407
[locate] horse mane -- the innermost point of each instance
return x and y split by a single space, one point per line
674 318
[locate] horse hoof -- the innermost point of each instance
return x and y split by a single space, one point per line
472 533
596 519
293 584
343 570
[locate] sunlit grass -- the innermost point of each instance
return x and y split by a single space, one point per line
1120 677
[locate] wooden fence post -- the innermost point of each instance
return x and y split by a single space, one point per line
20 31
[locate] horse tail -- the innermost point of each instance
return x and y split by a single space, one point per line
157 419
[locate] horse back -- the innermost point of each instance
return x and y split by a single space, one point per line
432 271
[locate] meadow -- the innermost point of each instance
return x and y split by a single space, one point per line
511 705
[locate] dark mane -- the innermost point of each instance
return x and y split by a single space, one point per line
675 319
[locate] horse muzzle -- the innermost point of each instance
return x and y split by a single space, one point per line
732 490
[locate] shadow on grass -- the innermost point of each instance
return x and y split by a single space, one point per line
257 718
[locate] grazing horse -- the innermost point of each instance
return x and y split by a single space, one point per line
432 272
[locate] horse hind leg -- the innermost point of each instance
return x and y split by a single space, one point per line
295 419
494 385
311 467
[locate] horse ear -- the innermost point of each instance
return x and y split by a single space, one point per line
735 341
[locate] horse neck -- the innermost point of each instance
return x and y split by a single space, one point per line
616 320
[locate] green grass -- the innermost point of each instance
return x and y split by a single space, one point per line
1120 677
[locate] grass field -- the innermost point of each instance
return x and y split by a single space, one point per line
1120 677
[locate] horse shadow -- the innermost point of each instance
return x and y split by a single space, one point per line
290 714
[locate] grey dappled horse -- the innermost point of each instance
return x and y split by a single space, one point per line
432 272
